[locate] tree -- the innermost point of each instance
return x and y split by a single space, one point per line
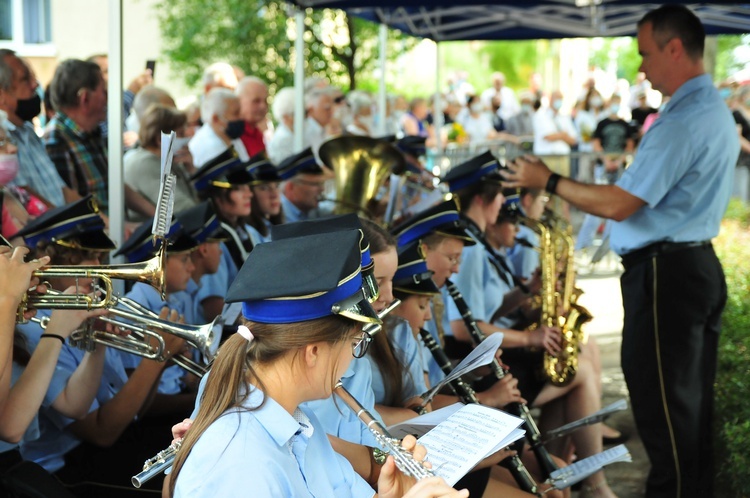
258 36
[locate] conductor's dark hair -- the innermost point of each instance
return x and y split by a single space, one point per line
70 78
677 21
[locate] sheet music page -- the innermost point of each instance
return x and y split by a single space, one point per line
419 426
480 356
456 445
580 470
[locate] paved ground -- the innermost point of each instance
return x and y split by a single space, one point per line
602 297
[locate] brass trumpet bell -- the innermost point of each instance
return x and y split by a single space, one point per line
361 166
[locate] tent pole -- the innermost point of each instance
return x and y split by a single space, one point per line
116 190
299 81
437 106
382 91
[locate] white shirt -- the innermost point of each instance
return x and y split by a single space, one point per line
477 127
314 134
281 144
546 123
509 105
206 144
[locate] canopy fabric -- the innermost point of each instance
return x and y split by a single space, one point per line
441 20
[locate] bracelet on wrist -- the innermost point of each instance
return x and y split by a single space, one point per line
54 336
551 186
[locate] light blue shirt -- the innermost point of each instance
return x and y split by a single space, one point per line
434 373
217 284
524 260
32 431
54 440
479 283
256 236
171 378
407 351
292 213
336 418
267 452
683 170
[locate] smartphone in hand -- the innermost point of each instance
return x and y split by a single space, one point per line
152 66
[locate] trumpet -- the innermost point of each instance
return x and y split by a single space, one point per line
150 272
141 322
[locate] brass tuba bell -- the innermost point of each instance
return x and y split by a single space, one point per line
361 166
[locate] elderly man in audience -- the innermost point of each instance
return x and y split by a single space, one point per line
222 127
74 139
319 108
362 117
18 99
219 75
253 95
281 145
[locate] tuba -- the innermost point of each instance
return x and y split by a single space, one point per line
360 166
150 272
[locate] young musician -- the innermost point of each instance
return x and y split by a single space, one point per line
491 293
76 450
266 203
303 325
225 182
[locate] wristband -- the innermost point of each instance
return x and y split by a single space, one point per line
54 336
551 186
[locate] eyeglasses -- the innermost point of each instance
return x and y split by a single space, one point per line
307 183
360 345
453 260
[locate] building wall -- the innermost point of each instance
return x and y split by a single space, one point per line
80 28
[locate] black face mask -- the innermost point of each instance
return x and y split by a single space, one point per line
30 108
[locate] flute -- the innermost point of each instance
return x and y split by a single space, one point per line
404 459
156 464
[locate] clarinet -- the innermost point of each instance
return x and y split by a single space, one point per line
534 437
459 387
404 459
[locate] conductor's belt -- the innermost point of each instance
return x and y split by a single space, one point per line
657 249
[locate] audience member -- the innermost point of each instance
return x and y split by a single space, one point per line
253 95
319 108
509 104
281 145
222 127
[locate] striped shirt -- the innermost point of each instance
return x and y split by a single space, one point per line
80 157
35 167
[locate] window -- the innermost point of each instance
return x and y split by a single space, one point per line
25 26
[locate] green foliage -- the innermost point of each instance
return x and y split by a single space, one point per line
620 52
732 422
726 62
258 36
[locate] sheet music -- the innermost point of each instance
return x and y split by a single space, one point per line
466 437
419 426
594 418
480 356
580 470
165 202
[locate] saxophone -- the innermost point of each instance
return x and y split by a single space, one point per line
555 244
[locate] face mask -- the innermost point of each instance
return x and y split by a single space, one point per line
235 128
179 142
8 168
477 108
614 108
557 104
30 108
595 102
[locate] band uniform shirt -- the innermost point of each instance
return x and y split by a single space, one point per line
683 170
32 431
170 381
435 374
217 284
480 284
408 352
336 419
80 157
525 260
54 440
269 451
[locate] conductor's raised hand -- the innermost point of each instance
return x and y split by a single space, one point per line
526 171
